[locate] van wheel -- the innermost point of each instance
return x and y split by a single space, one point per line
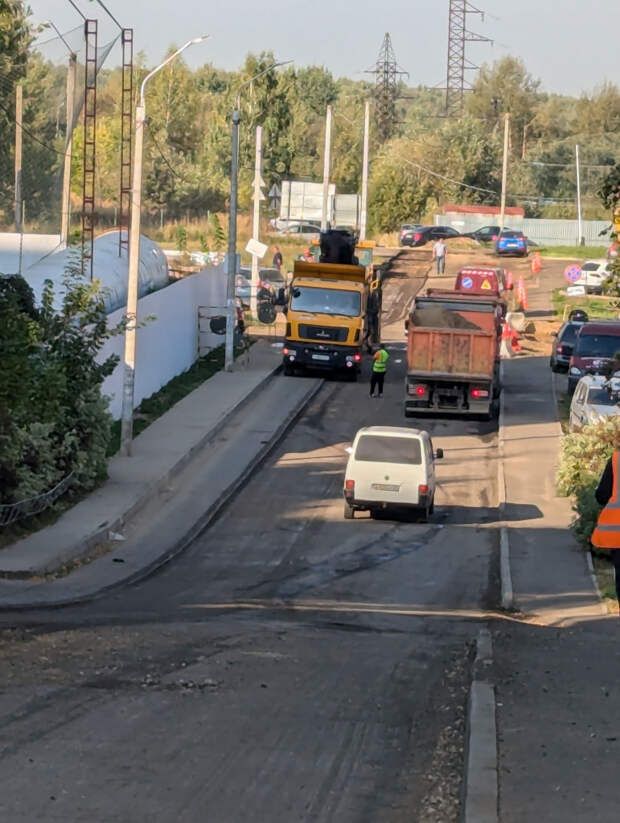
432 507
349 511
425 514
288 370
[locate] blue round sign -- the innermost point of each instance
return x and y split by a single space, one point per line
572 273
467 283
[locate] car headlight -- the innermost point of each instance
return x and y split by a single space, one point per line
575 370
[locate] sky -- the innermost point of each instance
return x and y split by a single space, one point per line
569 45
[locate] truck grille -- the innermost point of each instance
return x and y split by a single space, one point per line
324 334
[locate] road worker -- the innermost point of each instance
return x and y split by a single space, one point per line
379 368
607 532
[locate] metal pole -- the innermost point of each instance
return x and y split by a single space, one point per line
364 218
18 158
502 215
326 165
229 355
258 168
66 180
132 289
581 239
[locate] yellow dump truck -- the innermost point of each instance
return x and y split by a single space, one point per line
333 312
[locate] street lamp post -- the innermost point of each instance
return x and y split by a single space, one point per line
231 264
129 358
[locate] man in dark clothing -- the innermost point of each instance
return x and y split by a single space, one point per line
277 258
604 492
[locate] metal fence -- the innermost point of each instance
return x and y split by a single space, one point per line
542 232
12 512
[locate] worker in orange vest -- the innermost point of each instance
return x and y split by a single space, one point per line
607 532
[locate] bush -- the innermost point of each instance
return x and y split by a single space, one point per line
53 419
583 458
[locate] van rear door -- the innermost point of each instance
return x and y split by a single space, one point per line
389 469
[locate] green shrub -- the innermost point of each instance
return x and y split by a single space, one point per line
583 457
53 419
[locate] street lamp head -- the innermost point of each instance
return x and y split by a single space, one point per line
197 40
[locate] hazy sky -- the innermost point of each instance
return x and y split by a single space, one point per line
569 45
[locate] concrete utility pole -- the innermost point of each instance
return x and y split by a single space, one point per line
258 196
581 239
502 216
229 353
18 158
66 180
129 358
326 168
364 217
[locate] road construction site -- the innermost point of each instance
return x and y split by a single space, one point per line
285 664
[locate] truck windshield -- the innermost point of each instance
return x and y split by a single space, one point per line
377 449
326 301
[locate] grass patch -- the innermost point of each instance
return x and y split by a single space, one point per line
604 570
577 252
601 308
162 401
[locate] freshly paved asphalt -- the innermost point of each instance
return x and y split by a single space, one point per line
290 665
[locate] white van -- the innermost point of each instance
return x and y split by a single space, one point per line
390 467
594 273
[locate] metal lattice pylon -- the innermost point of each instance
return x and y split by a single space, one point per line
387 79
126 132
458 64
90 132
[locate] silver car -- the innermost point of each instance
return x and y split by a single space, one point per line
592 401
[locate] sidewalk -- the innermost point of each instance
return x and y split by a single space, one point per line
558 704
122 520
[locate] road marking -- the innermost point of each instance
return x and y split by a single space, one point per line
505 573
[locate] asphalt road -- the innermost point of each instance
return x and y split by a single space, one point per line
289 666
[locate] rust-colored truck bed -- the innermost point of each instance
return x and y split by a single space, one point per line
453 355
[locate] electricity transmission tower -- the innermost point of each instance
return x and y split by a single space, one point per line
458 64
387 78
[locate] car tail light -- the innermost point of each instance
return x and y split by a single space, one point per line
285 351
357 357
420 391
560 349
417 237
479 394
349 488
423 490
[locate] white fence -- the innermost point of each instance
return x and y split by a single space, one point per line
167 345
543 232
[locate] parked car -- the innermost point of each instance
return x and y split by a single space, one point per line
592 401
563 346
243 289
593 275
485 234
511 242
390 468
305 231
408 230
426 234
596 349
272 279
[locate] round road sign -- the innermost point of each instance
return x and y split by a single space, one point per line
467 283
572 273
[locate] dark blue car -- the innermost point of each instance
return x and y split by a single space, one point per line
511 242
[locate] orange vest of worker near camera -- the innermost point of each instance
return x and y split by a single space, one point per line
607 532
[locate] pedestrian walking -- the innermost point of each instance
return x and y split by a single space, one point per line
379 368
277 258
607 532
439 256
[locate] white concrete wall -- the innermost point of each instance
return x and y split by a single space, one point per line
167 345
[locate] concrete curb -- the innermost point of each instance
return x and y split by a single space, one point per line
82 548
193 531
507 594
505 573
480 785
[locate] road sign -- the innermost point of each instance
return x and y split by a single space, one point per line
467 283
572 273
256 248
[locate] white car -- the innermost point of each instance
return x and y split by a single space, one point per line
390 467
592 401
593 275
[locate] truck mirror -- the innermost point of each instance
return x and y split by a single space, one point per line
439 454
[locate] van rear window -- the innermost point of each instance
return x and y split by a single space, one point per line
598 345
375 449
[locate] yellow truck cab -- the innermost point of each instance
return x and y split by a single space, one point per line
333 311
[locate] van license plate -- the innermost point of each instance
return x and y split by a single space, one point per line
382 487
320 356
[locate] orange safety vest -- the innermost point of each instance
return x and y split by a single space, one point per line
607 532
